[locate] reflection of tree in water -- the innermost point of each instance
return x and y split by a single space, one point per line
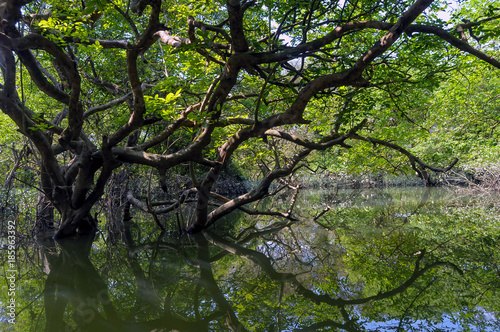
73 285
74 281
289 276
345 318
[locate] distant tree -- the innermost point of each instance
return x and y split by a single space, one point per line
98 84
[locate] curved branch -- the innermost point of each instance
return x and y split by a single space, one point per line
34 41
468 24
192 39
413 159
215 28
139 106
383 44
324 144
393 34
129 20
33 67
16 112
252 212
8 66
104 43
258 192
93 110
135 156
460 44
169 130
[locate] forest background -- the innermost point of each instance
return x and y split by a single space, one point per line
190 110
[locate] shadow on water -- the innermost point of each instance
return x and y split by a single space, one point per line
397 267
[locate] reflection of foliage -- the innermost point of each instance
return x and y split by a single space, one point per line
408 265
154 85
381 250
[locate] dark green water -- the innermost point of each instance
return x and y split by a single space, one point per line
375 260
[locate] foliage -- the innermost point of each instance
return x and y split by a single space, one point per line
189 88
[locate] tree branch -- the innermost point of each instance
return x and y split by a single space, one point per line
235 13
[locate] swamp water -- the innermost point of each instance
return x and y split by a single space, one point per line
413 259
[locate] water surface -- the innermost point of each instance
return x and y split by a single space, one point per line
401 259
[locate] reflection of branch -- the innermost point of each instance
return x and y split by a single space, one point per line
145 296
265 263
208 281
422 291
417 273
257 233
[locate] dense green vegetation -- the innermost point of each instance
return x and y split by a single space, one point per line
210 117
109 103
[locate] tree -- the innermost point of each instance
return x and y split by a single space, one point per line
102 92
